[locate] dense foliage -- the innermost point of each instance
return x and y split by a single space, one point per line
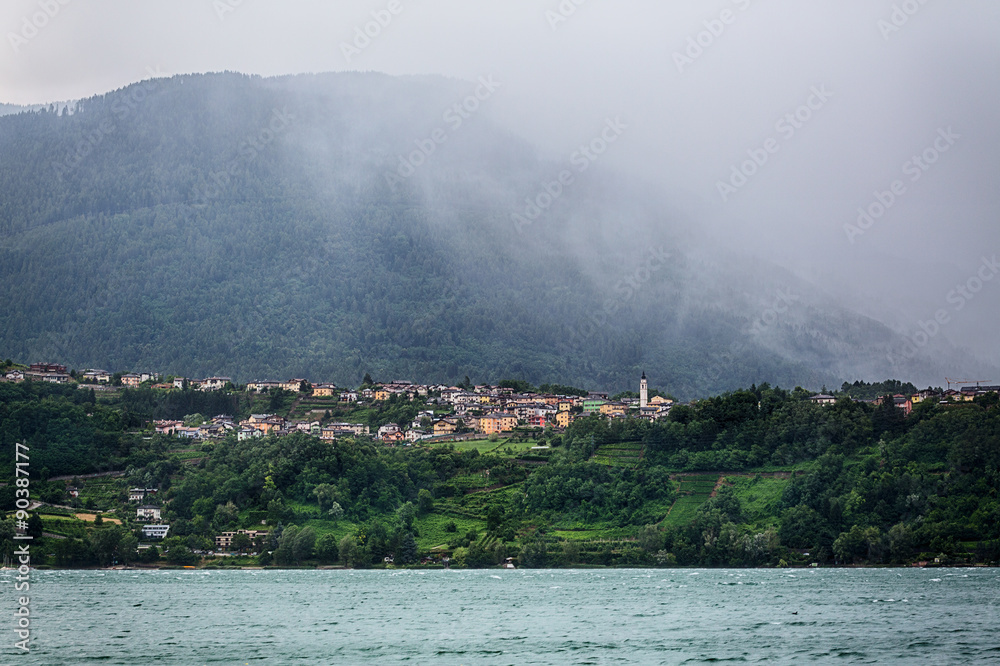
747 478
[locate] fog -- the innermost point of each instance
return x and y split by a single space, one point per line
765 126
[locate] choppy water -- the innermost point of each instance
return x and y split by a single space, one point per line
651 616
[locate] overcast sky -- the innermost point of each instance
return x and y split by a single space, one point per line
702 87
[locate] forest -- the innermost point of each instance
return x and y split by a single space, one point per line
755 477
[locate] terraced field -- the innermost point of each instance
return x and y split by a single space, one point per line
622 454
695 489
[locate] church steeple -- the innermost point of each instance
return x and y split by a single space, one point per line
643 391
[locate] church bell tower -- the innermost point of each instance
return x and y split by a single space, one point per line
643 391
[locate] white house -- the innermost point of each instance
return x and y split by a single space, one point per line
147 512
155 531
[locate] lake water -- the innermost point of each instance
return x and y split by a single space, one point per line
622 616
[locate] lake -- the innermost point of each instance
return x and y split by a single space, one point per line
565 616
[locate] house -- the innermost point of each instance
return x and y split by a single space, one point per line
55 378
185 432
347 429
179 382
99 376
260 387
215 383
225 540
498 422
591 405
147 512
246 432
294 385
155 531
139 494
564 418
387 429
167 427
614 409
381 395
823 399
394 438
444 427
537 421
904 403
309 427
926 394
14 376
415 435
349 396
131 379
47 368
324 391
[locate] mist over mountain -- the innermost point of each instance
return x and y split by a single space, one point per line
331 225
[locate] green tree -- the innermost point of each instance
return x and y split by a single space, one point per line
348 550
241 543
285 554
425 501
534 554
326 494
407 552
181 555
149 555
104 542
128 549
326 548
302 547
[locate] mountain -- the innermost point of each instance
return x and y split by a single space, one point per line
331 225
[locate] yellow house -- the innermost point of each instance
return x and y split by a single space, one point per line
323 391
442 427
565 405
563 418
381 394
613 409
498 422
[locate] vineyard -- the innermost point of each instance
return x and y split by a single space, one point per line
695 489
621 454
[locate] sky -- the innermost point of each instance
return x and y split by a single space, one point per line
853 142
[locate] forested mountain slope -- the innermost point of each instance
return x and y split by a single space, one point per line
233 225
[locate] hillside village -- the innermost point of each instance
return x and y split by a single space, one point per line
440 414
452 411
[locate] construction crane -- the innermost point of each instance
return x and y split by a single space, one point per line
959 382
